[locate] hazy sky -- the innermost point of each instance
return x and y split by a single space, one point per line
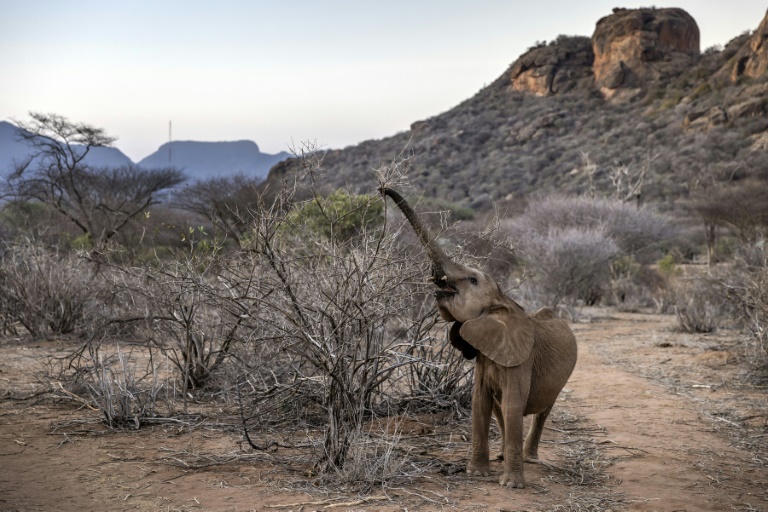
282 72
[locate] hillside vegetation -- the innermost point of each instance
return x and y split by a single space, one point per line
691 126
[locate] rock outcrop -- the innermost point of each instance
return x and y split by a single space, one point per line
751 60
563 65
629 49
704 120
635 47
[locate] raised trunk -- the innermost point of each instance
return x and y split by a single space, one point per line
439 259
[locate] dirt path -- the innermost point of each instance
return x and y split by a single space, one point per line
675 459
652 419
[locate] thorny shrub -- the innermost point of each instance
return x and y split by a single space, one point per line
699 304
337 304
46 291
318 312
744 285
124 397
190 307
734 292
439 378
375 456
568 265
635 231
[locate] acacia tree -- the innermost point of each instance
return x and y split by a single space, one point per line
100 201
228 203
740 206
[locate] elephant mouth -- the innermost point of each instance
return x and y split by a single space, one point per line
444 290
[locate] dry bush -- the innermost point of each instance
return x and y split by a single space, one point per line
635 231
699 305
47 292
744 284
123 396
439 379
191 308
634 286
375 458
571 243
316 312
339 306
568 266
627 294
736 291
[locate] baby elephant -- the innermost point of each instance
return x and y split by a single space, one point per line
523 361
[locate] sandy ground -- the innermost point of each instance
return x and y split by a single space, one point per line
652 419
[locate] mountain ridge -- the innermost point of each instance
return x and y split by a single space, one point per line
13 151
199 159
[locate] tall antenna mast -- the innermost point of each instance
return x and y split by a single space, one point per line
170 140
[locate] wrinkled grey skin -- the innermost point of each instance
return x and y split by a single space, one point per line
523 361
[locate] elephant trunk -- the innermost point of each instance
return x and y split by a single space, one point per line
440 262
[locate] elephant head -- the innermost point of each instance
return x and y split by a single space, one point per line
486 319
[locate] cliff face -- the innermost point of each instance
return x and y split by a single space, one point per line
561 66
635 47
751 60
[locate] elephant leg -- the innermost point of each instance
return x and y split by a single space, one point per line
531 448
512 410
500 420
482 403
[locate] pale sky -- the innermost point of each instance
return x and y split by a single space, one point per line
334 72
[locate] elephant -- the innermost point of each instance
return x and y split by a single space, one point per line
523 361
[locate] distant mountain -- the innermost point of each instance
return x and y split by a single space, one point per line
13 150
200 160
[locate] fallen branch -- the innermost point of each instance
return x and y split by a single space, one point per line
718 418
357 502
27 397
76 398
328 503
549 466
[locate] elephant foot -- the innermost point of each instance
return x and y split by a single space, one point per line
513 480
474 469
531 455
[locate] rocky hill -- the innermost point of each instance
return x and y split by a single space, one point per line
637 93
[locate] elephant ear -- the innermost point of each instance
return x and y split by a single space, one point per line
504 335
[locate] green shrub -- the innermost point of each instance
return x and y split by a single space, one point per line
700 91
667 266
457 212
339 216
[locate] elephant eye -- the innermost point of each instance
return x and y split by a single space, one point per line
473 280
